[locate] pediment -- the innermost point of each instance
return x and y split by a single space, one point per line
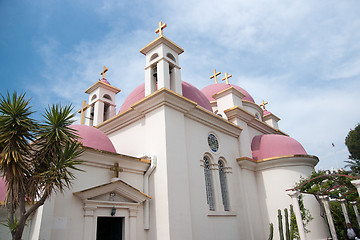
116 198
123 193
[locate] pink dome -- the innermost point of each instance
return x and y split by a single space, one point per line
94 138
104 81
266 112
273 145
189 91
212 89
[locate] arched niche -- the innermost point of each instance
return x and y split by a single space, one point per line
169 55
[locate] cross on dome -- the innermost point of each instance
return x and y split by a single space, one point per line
263 104
215 75
160 29
105 69
226 77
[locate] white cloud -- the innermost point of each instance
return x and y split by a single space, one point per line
348 69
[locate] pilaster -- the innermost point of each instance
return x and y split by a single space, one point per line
88 231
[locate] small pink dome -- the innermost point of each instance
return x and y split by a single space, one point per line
93 138
189 91
212 89
273 145
266 112
104 81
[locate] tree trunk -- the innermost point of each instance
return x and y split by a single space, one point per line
25 214
11 214
20 228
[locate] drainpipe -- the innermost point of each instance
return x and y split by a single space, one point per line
146 191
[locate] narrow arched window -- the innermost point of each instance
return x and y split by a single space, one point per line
155 55
107 96
223 186
209 184
169 55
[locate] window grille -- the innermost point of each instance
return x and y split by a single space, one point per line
224 187
209 185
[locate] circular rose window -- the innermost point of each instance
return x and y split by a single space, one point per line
213 142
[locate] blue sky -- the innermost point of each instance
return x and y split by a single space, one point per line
303 57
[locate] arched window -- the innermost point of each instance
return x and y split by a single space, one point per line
107 96
155 55
169 55
209 184
223 186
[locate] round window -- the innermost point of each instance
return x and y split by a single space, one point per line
213 142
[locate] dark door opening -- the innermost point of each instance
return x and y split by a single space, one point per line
109 228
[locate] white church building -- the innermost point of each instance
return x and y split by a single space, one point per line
177 163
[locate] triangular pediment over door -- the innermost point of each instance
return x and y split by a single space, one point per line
117 195
123 192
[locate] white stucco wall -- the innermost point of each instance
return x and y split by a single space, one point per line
272 183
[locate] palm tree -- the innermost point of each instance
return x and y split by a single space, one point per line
36 159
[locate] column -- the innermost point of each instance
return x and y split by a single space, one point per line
88 232
163 75
356 212
132 223
150 84
214 168
112 110
294 196
325 201
343 206
176 80
98 112
89 120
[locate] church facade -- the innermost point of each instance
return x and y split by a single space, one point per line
175 162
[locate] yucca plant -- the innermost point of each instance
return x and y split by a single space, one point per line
36 159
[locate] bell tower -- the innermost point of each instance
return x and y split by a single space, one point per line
162 64
101 101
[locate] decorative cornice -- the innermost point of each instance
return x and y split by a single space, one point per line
275 162
127 157
249 118
104 85
271 116
240 113
159 40
227 91
288 156
253 105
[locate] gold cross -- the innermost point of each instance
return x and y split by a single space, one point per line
116 170
214 76
82 111
105 69
160 29
263 104
226 77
